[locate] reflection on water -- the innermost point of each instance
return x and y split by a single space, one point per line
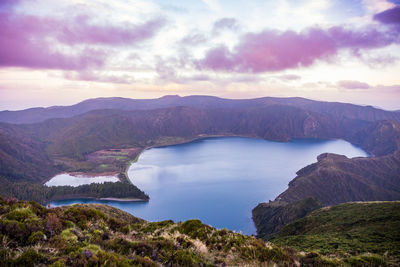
68 179
219 180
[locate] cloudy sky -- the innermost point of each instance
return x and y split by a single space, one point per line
61 52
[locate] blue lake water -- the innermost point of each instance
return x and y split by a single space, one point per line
219 180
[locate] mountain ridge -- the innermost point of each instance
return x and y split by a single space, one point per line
336 109
78 136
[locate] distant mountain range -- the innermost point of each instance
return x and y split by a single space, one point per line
37 143
337 110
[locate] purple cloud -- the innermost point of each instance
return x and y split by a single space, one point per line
225 23
348 84
20 47
80 30
390 16
274 51
194 38
8 3
30 41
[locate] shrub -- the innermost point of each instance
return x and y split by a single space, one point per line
36 237
315 259
118 225
187 258
20 214
30 258
38 209
195 229
96 237
119 245
69 236
16 231
257 250
53 224
4 257
366 260
154 226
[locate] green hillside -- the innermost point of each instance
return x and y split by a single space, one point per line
347 229
100 235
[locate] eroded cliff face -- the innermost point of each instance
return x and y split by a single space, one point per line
271 217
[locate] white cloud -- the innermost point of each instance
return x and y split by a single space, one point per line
376 6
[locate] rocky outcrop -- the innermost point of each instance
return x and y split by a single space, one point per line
271 217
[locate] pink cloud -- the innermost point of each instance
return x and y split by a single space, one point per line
274 51
348 84
289 77
31 41
88 75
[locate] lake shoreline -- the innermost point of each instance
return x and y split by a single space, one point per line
113 199
122 199
203 137
126 178
231 192
187 141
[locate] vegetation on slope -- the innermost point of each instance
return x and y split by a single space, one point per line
94 235
100 235
347 229
337 179
23 157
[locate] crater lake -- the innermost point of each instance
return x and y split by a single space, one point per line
219 180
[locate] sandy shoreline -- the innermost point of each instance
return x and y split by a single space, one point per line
122 199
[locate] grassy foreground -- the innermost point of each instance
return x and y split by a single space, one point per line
100 235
